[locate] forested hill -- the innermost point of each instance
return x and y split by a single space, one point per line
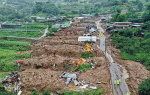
100 6
12 10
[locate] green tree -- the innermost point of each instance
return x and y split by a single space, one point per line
146 14
140 6
144 88
147 0
124 1
48 8
118 10
38 7
121 18
137 1
96 14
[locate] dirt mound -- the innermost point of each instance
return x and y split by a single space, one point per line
40 79
62 50
101 74
48 62
137 74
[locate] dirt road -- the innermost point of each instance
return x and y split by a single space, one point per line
114 68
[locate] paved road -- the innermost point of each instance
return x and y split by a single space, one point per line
46 31
114 67
102 43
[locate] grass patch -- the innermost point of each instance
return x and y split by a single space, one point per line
14 42
3 75
46 92
98 91
83 67
7 57
87 54
15 47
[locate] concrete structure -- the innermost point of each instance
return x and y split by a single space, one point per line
87 38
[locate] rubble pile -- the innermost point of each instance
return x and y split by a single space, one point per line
12 82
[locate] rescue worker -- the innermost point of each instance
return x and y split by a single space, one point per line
115 83
118 82
111 51
19 66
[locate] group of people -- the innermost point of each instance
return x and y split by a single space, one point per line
117 82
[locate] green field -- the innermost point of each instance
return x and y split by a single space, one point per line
26 30
8 56
14 42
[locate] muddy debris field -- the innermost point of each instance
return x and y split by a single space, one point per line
49 59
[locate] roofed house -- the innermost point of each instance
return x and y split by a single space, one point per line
122 25
65 25
40 19
10 25
56 26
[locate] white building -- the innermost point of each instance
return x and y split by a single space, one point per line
86 38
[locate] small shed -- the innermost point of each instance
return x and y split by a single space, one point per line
87 38
56 26
103 18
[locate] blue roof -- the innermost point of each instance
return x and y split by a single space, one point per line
110 27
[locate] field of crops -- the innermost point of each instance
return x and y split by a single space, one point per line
26 30
8 56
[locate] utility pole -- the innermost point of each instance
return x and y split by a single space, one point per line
26 27
105 52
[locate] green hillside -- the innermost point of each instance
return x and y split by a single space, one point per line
12 10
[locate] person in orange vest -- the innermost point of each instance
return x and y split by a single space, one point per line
115 83
111 51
